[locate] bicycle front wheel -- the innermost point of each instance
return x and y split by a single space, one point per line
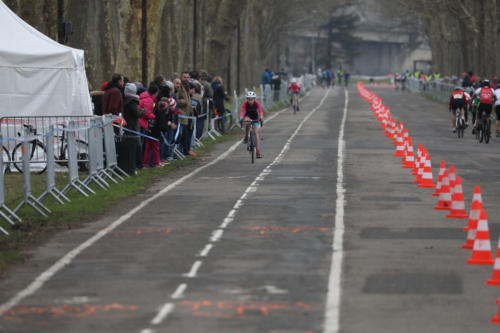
487 133
251 145
37 157
82 153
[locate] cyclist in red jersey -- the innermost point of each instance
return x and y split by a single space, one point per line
486 99
251 114
294 88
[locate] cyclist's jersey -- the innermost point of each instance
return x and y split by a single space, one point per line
497 94
295 87
457 99
254 112
485 95
475 103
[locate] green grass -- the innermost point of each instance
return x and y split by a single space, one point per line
35 228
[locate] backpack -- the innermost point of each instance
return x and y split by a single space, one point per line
486 96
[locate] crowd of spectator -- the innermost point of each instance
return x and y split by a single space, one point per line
160 115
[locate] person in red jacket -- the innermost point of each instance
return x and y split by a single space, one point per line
151 147
113 99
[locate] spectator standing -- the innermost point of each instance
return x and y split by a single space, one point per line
219 96
184 105
151 147
276 87
113 98
197 100
132 114
208 94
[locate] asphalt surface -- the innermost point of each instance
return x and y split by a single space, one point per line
247 248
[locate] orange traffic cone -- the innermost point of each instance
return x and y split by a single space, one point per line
481 252
417 160
400 146
475 208
495 279
496 319
471 235
409 162
444 201
452 178
427 174
440 179
457 210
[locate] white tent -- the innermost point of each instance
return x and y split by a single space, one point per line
39 76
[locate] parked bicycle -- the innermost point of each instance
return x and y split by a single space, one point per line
61 150
36 152
5 159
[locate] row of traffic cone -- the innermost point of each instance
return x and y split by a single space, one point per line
448 189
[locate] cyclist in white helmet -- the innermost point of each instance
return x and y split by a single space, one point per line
251 114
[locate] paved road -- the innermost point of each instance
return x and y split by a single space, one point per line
247 248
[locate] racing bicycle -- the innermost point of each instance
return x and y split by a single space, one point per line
483 130
460 124
294 103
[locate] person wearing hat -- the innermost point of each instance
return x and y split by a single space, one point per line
132 114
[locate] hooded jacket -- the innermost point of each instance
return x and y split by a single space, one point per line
113 100
146 101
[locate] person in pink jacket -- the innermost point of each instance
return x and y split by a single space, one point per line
151 147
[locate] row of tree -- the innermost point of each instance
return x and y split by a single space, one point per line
232 38
463 34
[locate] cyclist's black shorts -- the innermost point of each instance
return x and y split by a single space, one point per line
497 110
457 104
484 107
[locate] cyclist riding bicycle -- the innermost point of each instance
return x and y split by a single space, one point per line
486 99
458 101
294 88
251 114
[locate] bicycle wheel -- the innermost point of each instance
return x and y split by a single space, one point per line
5 159
37 156
82 153
487 132
251 145
294 104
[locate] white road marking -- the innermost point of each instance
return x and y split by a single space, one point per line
194 270
206 250
227 221
179 292
332 310
216 235
147 330
163 313
45 276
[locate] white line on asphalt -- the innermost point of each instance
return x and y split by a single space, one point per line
228 220
205 251
216 235
332 310
194 270
179 292
147 330
163 313
41 279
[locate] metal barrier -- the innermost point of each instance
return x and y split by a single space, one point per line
29 199
13 127
439 91
51 172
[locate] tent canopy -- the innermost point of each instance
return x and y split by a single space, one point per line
38 76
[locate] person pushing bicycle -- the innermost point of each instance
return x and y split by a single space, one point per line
294 88
251 115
